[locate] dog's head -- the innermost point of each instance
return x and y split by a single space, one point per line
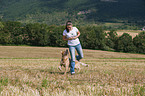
64 53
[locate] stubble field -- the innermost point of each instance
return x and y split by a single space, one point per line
32 71
132 33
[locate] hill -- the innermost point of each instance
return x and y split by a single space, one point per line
58 11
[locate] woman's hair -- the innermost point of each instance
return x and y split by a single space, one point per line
68 23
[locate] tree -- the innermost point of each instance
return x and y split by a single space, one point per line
14 31
111 38
56 36
139 42
5 37
125 43
92 37
37 34
1 26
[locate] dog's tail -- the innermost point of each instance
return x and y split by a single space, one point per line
84 64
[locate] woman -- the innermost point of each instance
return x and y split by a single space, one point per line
71 35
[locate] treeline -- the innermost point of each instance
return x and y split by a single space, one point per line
92 37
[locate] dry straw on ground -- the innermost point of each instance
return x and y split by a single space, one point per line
132 33
32 71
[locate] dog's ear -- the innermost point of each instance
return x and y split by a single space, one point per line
67 50
62 52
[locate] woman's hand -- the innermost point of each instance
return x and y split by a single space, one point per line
65 38
71 38
75 37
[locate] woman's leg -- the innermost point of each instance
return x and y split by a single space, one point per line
79 51
72 54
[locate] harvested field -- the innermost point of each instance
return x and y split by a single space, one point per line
32 71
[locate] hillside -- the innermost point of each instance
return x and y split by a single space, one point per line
58 11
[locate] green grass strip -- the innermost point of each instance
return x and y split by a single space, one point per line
29 58
84 58
124 58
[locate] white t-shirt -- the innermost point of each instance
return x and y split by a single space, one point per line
72 33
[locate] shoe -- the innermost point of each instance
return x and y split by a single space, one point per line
72 73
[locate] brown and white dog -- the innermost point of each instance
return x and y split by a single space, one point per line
65 62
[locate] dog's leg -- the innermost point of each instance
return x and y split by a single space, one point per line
66 68
84 64
79 68
61 63
59 67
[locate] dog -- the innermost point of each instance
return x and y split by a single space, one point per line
65 62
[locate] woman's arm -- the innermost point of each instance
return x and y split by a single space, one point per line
78 34
65 39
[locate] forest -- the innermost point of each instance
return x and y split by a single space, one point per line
92 37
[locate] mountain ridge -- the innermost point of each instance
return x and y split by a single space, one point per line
58 11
